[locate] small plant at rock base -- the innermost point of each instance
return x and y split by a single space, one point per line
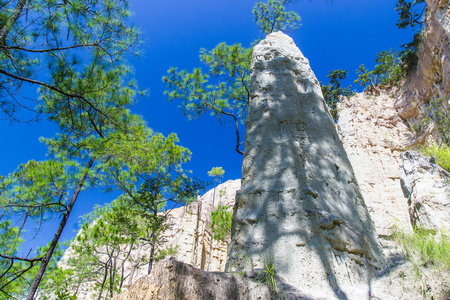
221 223
424 247
269 276
163 253
222 192
441 154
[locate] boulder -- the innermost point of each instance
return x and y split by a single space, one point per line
171 279
426 186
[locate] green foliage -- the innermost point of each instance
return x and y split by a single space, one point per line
221 223
166 252
225 97
425 247
439 111
35 189
389 70
216 172
222 192
407 15
440 153
269 276
73 50
409 56
272 16
15 275
35 192
10 242
61 284
333 91
102 250
364 76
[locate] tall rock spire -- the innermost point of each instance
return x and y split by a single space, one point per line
300 207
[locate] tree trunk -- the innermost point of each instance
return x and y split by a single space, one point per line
112 276
214 193
104 279
37 279
122 267
138 261
152 252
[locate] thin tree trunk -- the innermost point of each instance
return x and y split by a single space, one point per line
112 276
152 252
214 194
122 275
104 279
37 279
138 261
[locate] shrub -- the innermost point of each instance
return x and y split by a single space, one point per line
221 223
440 153
389 70
333 91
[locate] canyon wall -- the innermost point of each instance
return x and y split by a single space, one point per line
190 231
431 79
374 136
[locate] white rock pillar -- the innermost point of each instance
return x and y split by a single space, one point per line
300 206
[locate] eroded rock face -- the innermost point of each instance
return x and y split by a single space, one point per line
190 231
432 76
426 186
374 137
300 206
171 280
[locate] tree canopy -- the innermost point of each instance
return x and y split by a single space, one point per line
272 16
61 48
333 91
224 89
73 54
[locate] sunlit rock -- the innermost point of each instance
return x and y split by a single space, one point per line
426 186
300 207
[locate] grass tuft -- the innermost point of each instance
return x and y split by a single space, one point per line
425 248
440 153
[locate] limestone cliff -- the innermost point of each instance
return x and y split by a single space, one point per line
190 231
374 136
431 78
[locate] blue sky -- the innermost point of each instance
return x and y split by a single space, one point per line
340 35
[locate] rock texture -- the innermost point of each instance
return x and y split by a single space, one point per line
172 280
432 76
300 207
374 137
191 234
426 186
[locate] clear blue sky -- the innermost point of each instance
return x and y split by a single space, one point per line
340 35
